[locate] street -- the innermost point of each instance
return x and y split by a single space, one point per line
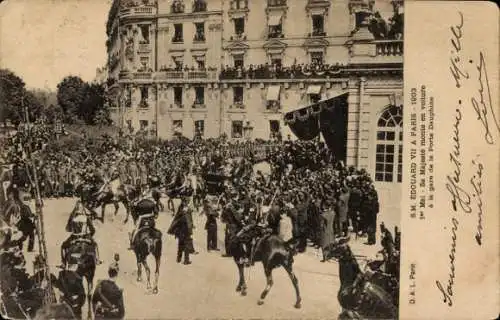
206 288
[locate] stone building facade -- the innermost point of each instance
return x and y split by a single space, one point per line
235 67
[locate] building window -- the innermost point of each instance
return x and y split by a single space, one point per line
199 128
200 32
274 128
177 127
178 37
317 58
239 26
144 97
144 64
318 26
275 27
239 4
143 124
177 6
238 96
200 96
178 96
199 6
238 61
178 63
237 129
276 61
200 62
145 33
389 150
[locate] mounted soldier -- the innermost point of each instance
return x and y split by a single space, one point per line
81 228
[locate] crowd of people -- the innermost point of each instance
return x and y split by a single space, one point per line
322 198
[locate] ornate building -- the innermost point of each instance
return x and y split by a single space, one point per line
236 67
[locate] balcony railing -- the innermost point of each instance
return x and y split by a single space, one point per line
389 47
239 5
199 106
143 74
290 72
188 74
177 105
144 47
144 10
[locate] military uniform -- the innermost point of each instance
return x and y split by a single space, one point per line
107 299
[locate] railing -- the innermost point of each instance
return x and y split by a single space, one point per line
237 106
177 40
199 38
239 5
137 11
142 75
275 35
144 47
188 75
199 106
389 47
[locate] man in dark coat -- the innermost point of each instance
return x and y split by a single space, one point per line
372 208
107 300
182 229
211 226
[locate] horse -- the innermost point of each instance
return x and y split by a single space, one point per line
272 251
147 240
118 192
80 258
361 294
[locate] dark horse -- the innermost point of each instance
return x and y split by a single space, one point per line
271 250
92 197
361 294
147 239
81 258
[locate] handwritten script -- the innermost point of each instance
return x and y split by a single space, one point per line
465 193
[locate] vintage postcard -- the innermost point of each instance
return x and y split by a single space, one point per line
249 159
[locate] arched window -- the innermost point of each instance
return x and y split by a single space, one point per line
389 153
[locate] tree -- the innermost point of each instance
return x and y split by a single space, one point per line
71 93
12 90
102 117
93 101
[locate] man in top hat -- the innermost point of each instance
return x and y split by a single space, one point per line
107 300
182 228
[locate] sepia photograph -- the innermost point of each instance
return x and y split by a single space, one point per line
201 159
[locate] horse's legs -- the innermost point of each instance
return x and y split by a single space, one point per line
89 298
295 282
103 209
242 286
157 274
139 271
116 207
148 273
269 280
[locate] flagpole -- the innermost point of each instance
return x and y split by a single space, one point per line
38 207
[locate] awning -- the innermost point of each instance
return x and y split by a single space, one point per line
313 89
273 93
274 19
